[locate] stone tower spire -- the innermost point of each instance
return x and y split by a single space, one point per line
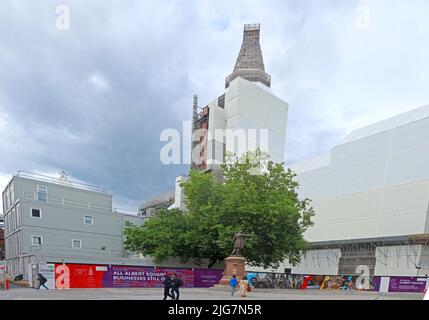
250 64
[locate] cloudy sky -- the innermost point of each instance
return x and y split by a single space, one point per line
93 99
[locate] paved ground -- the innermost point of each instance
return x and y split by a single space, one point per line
196 294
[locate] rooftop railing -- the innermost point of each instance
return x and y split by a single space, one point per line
59 181
126 211
252 26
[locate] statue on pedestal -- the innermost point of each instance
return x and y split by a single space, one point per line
238 243
235 264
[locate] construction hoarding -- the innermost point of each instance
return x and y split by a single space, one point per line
103 276
110 276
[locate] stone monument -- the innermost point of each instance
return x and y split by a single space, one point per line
235 264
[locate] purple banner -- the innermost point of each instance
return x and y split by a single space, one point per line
103 276
377 281
205 278
149 277
407 284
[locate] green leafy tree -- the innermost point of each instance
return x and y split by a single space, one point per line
255 196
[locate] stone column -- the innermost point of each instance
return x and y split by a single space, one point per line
234 265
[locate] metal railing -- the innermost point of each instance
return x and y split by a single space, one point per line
125 211
63 182
252 26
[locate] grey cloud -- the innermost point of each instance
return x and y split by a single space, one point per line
93 100
106 136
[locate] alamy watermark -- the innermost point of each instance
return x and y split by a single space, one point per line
62 21
363 280
363 17
209 146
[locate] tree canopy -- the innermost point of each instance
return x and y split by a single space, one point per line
255 196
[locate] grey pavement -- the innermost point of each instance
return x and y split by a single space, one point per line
197 294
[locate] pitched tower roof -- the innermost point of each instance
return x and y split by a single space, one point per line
250 64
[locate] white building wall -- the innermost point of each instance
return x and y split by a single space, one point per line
179 194
401 260
319 262
390 211
375 184
390 261
217 125
251 105
248 106
314 262
424 261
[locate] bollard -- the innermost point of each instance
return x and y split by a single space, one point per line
6 284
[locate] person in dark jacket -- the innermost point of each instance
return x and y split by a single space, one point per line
42 281
176 284
167 286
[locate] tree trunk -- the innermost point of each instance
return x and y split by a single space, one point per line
212 262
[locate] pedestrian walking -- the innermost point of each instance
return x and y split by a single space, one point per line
42 281
233 283
175 287
243 287
168 283
346 285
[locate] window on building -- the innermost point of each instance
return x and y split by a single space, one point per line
15 243
6 199
18 242
9 223
36 213
76 243
36 240
13 219
18 215
6 227
12 193
88 220
4 202
42 193
221 101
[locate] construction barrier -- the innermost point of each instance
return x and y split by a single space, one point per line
64 276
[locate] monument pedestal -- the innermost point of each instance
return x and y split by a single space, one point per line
234 265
